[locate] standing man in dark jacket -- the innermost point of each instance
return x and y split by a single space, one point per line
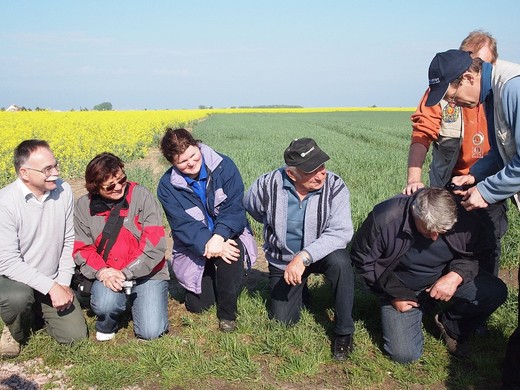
415 249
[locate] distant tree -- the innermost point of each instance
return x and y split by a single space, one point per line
2 109
202 107
105 106
39 109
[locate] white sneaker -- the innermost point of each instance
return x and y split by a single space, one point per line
9 347
100 336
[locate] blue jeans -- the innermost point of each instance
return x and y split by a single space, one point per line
149 303
286 300
470 306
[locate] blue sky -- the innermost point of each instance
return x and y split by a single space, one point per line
160 54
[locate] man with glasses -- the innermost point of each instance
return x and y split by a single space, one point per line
497 175
414 251
36 264
458 139
305 210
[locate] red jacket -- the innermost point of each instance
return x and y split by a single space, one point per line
140 246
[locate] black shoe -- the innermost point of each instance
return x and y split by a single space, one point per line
343 346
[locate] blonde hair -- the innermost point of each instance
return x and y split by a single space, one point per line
477 39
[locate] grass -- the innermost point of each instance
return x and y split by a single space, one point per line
369 151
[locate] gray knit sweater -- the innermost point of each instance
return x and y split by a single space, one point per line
328 221
37 237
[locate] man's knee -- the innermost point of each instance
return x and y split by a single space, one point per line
402 355
17 300
70 329
338 260
284 314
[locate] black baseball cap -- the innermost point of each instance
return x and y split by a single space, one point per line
445 68
305 154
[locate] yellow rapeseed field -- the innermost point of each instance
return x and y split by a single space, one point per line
76 137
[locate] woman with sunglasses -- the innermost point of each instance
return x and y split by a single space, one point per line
202 197
120 243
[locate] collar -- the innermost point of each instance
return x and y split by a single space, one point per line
288 184
27 193
203 174
485 81
408 225
99 205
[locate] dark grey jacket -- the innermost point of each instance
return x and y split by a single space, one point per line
387 234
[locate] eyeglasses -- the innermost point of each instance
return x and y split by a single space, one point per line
47 171
112 187
451 99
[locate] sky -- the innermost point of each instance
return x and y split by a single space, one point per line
170 54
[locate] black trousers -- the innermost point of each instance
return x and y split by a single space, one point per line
286 300
221 284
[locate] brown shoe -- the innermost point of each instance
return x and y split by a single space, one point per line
227 325
9 347
455 347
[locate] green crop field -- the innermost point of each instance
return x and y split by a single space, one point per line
369 150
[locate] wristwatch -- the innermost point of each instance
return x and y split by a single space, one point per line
306 258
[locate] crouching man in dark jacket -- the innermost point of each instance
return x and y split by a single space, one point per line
415 249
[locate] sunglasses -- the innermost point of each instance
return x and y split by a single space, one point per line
112 187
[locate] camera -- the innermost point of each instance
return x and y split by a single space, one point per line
127 286
454 187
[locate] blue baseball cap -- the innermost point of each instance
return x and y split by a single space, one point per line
445 68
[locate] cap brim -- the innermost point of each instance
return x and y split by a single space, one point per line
316 162
435 95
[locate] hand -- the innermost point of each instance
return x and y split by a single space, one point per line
294 271
214 246
412 187
111 278
444 288
403 305
473 200
230 251
61 297
462 181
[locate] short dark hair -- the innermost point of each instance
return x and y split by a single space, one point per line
24 150
99 169
175 142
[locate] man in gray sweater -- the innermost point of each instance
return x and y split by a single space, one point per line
36 264
305 210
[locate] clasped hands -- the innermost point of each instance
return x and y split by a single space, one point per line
227 250
111 278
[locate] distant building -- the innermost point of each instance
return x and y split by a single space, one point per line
14 108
